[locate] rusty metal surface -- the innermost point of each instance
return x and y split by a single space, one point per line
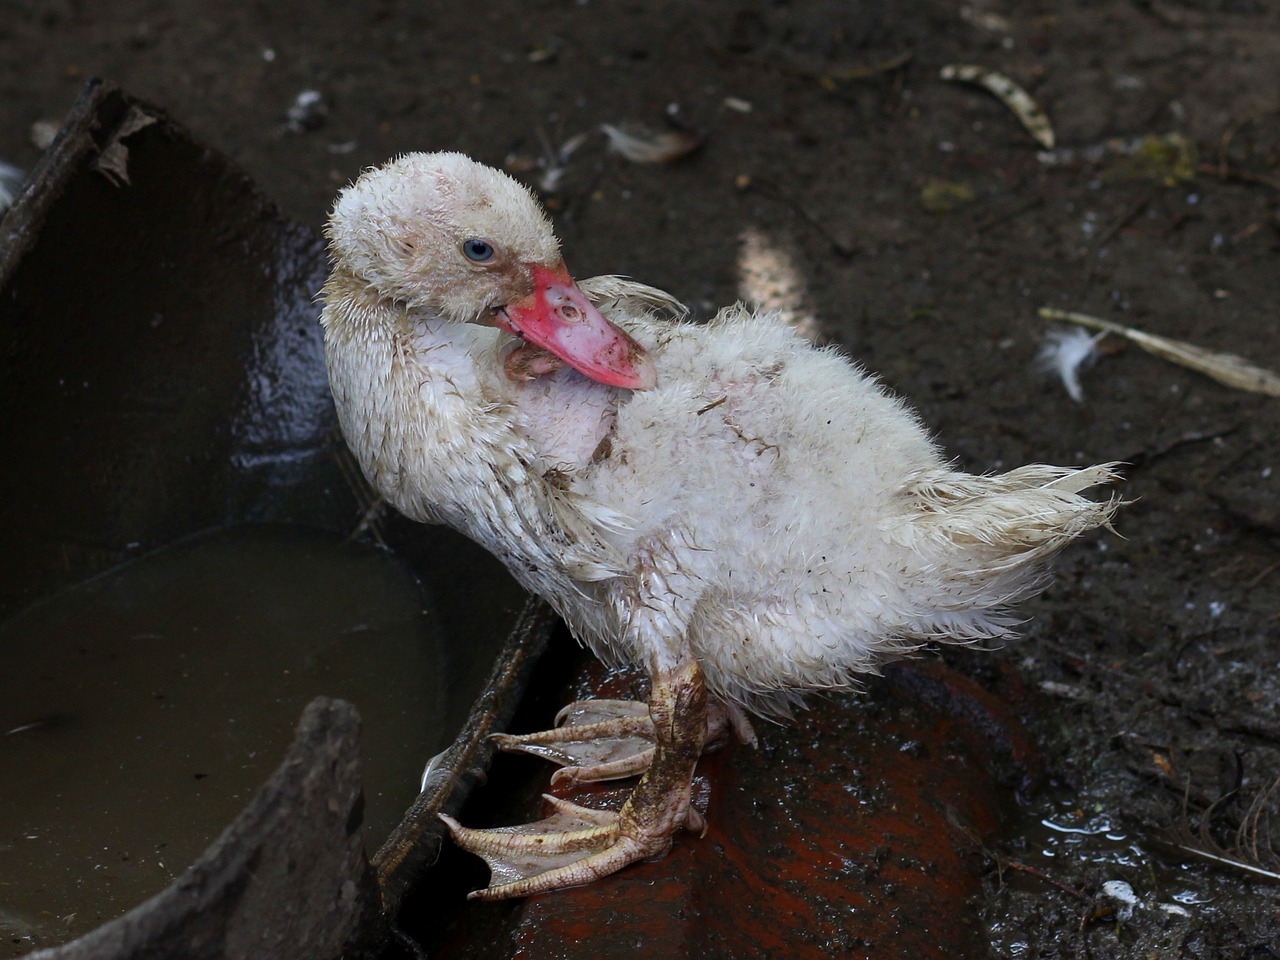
853 831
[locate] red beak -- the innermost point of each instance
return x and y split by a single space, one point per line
558 317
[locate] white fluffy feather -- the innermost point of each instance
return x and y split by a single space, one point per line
1066 353
795 522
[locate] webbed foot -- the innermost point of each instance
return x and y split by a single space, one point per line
573 846
592 740
576 844
611 739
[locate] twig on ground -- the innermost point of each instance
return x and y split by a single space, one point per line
1106 236
996 219
1226 368
971 835
1235 173
1018 865
830 76
1029 113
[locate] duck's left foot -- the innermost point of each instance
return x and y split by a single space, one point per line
576 845
573 846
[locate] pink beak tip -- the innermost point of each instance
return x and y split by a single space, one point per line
559 318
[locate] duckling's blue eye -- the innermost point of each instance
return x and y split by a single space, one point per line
478 250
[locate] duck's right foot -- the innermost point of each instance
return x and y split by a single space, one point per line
573 846
577 844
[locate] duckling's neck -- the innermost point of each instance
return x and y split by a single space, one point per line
356 311
408 391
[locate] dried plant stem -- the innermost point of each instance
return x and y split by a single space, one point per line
1226 860
1005 863
1226 368
1254 852
1029 113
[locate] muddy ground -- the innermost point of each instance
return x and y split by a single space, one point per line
927 227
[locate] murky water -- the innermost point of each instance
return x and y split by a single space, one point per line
140 710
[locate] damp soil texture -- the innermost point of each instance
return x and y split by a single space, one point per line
923 227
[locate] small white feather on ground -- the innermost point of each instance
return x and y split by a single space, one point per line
1067 352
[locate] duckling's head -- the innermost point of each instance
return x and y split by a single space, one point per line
443 236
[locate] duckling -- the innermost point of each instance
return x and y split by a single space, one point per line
744 516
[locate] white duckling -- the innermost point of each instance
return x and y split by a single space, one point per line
745 516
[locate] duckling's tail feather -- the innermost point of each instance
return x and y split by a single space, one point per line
983 540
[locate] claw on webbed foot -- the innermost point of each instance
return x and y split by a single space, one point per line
594 740
604 739
573 846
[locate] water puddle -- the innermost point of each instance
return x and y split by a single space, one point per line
1133 890
140 710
